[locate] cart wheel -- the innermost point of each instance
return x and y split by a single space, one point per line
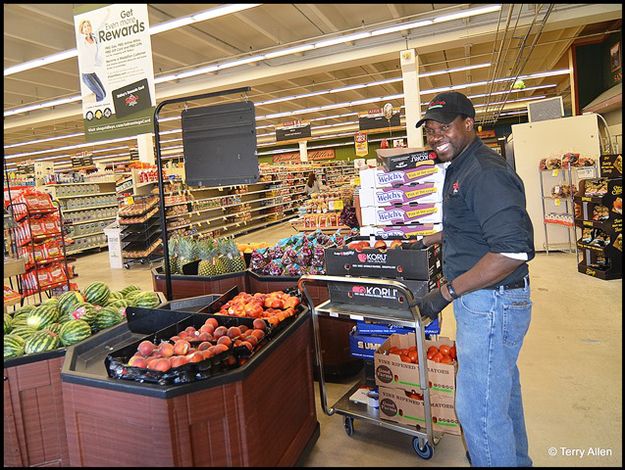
126 265
348 423
142 261
426 452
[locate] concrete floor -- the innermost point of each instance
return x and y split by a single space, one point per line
571 373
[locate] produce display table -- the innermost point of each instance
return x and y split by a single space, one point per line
260 414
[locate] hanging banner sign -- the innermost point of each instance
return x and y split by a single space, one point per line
313 155
374 119
134 154
293 130
116 72
362 146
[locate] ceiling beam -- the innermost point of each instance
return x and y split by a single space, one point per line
393 9
254 25
319 14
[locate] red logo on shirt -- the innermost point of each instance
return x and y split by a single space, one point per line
455 187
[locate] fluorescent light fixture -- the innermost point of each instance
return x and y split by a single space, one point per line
49 139
123 147
247 60
401 27
223 10
456 69
349 87
47 104
512 113
191 73
40 62
481 105
537 87
173 24
342 39
69 147
467 13
290 50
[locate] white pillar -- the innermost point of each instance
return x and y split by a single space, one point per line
412 98
145 146
303 151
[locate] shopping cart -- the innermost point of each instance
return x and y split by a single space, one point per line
403 311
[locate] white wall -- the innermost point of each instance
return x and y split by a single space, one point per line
615 126
545 139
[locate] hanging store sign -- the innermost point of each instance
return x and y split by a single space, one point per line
134 154
375 119
362 146
293 130
313 155
116 72
26 168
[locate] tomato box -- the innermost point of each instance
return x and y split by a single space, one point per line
404 194
405 407
405 158
378 178
390 371
392 263
403 214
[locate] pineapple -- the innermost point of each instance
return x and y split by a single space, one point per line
207 255
238 262
173 254
187 252
221 258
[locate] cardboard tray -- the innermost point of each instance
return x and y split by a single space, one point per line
405 158
392 263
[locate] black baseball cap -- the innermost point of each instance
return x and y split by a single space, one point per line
444 108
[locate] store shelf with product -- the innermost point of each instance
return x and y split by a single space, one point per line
599 223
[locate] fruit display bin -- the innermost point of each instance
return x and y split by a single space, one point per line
338 361
183 285
223 420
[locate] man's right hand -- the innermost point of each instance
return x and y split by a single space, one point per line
418 245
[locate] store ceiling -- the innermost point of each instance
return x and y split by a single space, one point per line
537 38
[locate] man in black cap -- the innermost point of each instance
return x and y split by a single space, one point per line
487 239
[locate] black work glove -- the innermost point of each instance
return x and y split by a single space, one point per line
418 245
432 303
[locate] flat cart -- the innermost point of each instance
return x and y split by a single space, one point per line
404 312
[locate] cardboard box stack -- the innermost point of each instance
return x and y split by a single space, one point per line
400 391
403 195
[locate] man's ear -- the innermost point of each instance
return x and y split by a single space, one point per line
469 122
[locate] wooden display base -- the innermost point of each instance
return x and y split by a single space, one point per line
267 418
34 423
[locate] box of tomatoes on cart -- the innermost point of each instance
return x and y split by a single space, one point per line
396 364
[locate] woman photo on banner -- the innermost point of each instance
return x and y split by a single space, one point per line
90 58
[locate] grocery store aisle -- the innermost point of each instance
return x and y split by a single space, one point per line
571 372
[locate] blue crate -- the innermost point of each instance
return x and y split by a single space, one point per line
384 329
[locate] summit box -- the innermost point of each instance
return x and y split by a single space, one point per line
405 158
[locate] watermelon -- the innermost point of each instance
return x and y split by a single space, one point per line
84 311
45 314
108 317
24 331
68 301
22 315
20 321
115 296
8 323
147 300
74 331
41 341
23 310
13 345
54 327
127 290
97 293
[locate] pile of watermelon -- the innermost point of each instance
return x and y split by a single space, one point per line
70 318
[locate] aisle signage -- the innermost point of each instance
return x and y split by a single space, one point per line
26 168
362 146
116 72
294 130
134 154
313 155
374 119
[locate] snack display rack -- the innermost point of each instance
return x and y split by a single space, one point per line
403 312
140 236
40 241
599 221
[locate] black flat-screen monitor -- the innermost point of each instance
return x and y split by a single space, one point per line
219 144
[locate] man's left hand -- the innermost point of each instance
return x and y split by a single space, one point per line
432 303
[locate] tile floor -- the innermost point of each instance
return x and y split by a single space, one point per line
571 372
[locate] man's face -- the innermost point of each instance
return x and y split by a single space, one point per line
448 140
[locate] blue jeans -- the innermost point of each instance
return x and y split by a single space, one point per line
490 327
95 85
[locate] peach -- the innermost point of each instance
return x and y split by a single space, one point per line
207 354
207 329
219 348
195 357
253 340
150 361
233 332
225 340
260 334
259 324
146 347
205 337
248 345
138 361
183 335
178 361
161 365
166 349
181 347
243 328
220 331
190 329
203 346
212 321
175 338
